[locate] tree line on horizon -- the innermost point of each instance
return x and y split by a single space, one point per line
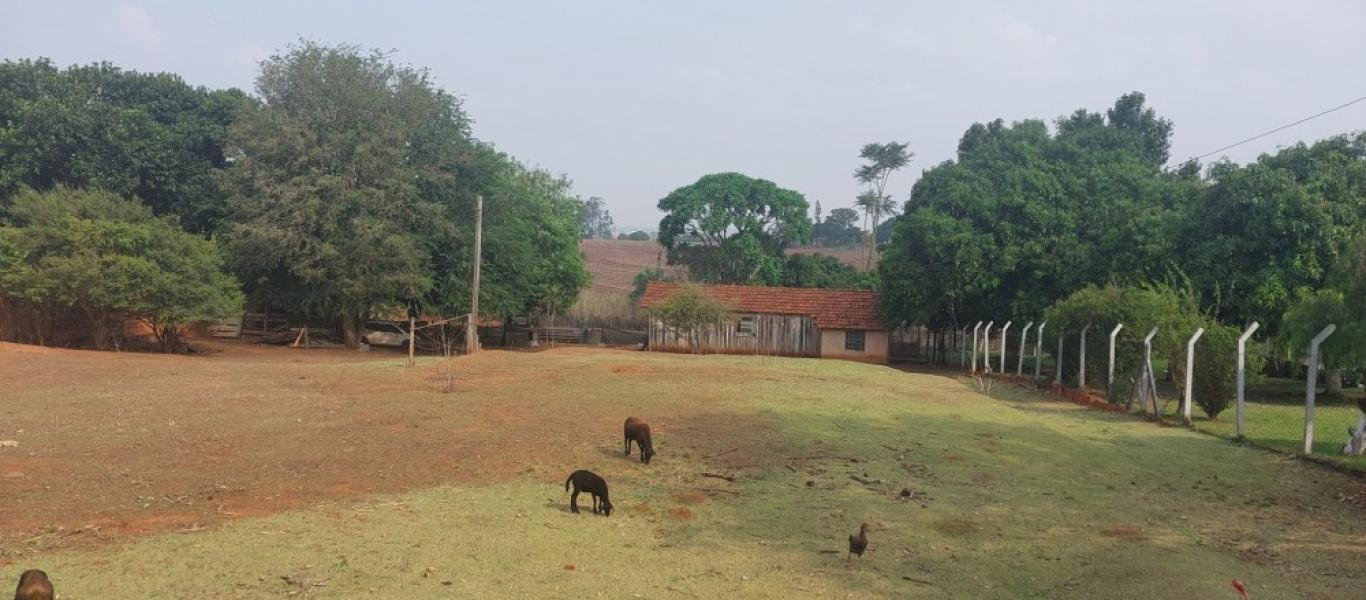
344 187
1026 216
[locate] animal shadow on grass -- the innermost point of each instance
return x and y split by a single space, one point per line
562 505
616 453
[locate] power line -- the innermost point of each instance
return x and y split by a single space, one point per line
1281 128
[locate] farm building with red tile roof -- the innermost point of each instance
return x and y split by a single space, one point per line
779 321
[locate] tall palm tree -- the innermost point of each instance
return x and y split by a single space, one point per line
882 159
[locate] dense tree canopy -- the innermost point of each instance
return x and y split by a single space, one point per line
139 135
731 228
1024 217
531 260
338 177
839 229
111 260
1265 234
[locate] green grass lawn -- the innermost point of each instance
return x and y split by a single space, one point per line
1275 417
1012 496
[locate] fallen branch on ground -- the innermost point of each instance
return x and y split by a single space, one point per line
718 476
721 453
866 481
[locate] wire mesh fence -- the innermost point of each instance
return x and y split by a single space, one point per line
1274 413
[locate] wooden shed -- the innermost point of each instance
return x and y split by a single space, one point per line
780 321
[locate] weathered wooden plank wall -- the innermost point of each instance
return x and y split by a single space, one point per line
782 335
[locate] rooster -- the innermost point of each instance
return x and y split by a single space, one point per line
1242 590
858 543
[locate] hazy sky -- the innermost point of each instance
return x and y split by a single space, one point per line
632 99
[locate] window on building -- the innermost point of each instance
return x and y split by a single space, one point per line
853 341
745 326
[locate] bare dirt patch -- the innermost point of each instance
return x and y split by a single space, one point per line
682 513
130 444
629 369
689 497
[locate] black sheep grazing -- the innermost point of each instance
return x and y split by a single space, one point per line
34 585
859 543
639 432
587 481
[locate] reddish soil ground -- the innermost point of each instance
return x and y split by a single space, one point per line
123 444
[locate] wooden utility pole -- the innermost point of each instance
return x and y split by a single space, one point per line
412 335
472 332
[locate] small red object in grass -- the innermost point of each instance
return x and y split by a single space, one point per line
1242 591
569 567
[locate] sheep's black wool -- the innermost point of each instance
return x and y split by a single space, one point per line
587 481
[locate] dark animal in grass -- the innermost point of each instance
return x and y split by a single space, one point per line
34 585
589 482
859 543
638 431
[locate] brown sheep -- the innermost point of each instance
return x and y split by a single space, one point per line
34 585
639 432
587 481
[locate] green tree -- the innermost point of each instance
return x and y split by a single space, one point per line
1023 218
838 229
1265 234
824 271
531 261
139 135
638 236
690 311
338 178
111 260
643 279
881 161
730 228
596 220
1342 303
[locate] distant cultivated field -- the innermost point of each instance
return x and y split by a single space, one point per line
614 263
264 472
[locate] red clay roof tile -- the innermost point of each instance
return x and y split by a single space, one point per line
831 309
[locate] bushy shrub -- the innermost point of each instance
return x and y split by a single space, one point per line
1173 311
690 311
111 260
1216 367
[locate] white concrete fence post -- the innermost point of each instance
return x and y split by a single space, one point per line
1004 346
1190 376
1024 337
1242 373
975 328
1311 388
1110 373
1081 358
1147 380
1038 350
986 347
